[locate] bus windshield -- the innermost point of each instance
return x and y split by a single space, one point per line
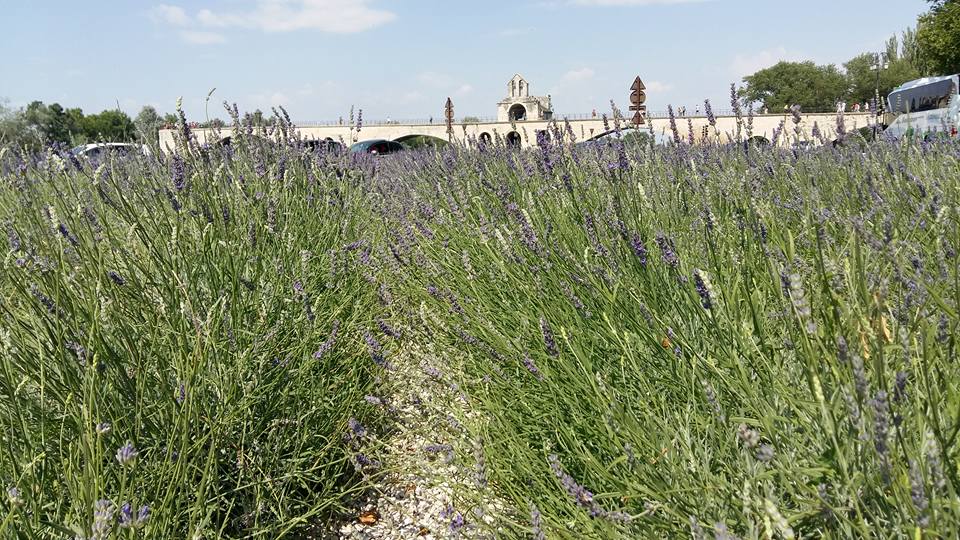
925 94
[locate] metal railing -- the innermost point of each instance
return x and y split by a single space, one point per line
559 117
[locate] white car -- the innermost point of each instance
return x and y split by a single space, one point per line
96 151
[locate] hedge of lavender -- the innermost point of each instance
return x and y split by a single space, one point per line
182 344
724 340
728 341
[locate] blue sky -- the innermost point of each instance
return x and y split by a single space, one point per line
402 58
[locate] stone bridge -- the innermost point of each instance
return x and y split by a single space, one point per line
523 133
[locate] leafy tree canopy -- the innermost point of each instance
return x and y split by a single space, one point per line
938 38
806 84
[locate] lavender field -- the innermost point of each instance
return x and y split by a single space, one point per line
721 340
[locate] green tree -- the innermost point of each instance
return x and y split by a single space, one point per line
111 126
862 74
147 123
11 124
64 126
813 87
938 38
910 49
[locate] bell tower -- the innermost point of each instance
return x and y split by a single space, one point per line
520 106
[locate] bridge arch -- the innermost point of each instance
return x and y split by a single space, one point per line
485 138
517 112
513 139
419 140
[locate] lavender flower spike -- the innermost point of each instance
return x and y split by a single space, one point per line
127 454
548 338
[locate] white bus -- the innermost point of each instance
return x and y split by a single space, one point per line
924 107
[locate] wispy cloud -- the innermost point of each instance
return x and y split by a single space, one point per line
331 16
657 87
464 90
581 74
173 15
272 99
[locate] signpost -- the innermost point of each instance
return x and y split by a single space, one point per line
448 114
637 100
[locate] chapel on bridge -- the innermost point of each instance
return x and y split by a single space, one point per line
520 106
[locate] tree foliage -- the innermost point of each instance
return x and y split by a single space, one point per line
39 124
816 87
806 84
866 79
938 38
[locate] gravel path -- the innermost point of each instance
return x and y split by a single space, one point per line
434 463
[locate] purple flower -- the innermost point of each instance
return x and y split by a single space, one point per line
548 339
127 454
673 125
708 110
14 496
356 428
457 522
639 249
536 523
375 349
666 251
702 285
177 172
103 511
328 344
67 235
531 367
116 278
387 329
580 494
13 239
126 516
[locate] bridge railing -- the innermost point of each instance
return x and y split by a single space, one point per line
558 116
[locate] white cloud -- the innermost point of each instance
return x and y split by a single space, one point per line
272 99
464 90
202 38
747 64
581 74
170 15
655 87
333 16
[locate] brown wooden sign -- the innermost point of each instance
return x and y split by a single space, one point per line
637 99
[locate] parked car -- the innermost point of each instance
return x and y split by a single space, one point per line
377 146
324 145
94 151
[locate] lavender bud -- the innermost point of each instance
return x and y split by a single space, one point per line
548 339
